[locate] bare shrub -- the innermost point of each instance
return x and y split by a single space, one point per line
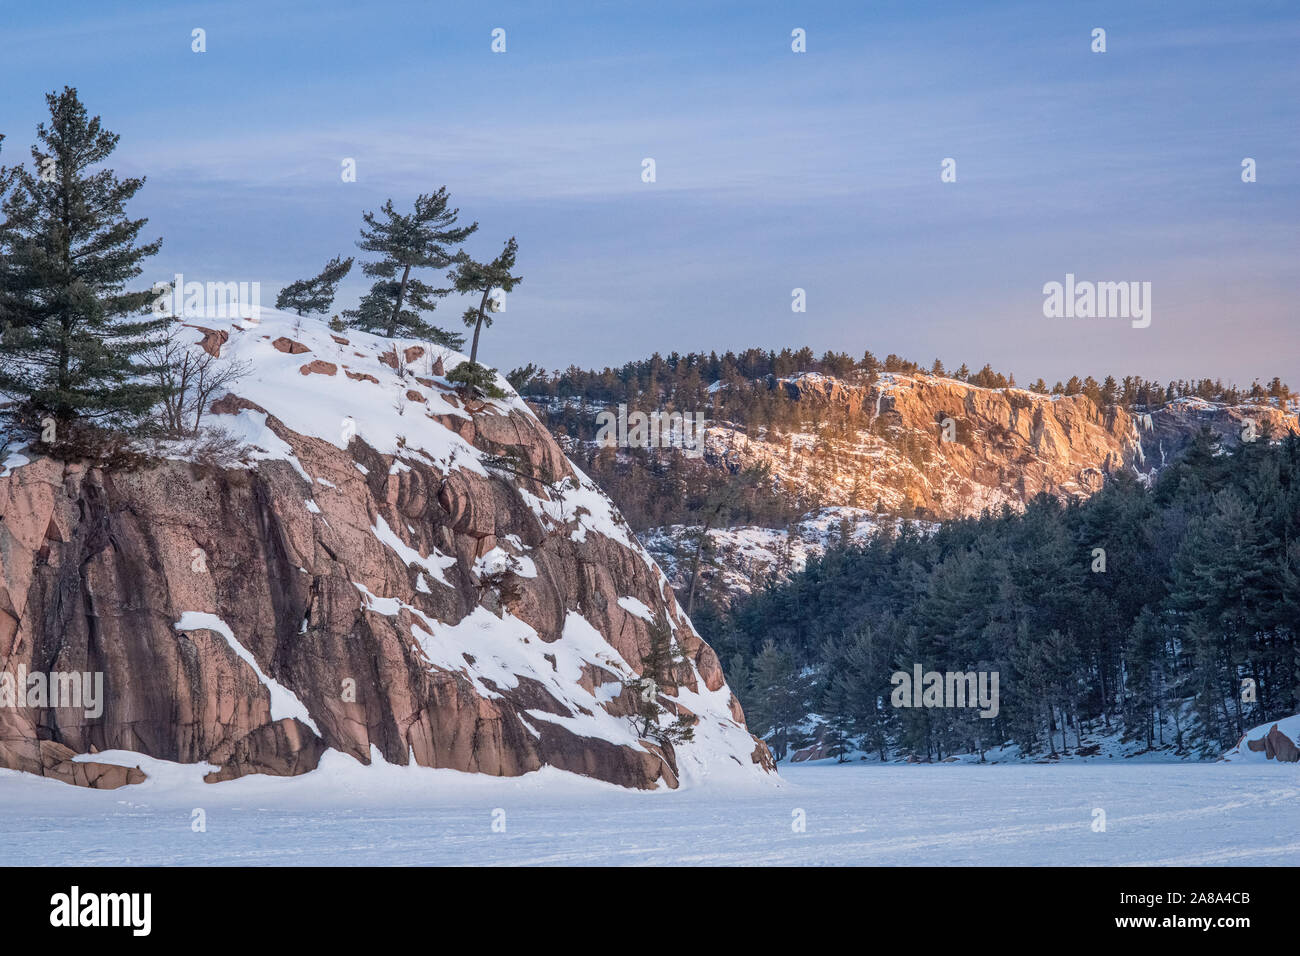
191 378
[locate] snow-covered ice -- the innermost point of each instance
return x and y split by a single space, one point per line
941 815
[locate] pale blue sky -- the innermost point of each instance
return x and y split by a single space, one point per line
775 170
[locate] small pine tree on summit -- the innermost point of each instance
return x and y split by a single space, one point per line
314 295
375 310
520 377
421 239
74 341
478 277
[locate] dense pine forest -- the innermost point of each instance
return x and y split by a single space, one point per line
1169 613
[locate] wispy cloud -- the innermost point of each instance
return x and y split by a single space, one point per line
773 169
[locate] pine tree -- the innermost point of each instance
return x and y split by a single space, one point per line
477 277
779 697
658 667
476 381
306 296
863 676
1143 662
520 377
73 338
375 310
422 239
1109 391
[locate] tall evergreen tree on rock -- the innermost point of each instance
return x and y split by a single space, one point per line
422 239
72 338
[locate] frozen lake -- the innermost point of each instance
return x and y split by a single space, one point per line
344 814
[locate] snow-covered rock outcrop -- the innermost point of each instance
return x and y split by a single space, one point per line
390 566
1276 740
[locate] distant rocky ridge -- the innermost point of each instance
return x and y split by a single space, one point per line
1009 445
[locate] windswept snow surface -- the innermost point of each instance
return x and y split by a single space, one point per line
942 815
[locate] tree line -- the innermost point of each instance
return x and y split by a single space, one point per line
682 381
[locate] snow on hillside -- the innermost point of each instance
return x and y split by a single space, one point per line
386 396
284 702
865 449
390 384
13 458
385 391
746 557
878 444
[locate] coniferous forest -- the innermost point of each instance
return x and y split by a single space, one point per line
1167 613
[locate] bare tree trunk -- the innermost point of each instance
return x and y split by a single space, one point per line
473 352
695 566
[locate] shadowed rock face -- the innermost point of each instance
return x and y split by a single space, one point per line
97 568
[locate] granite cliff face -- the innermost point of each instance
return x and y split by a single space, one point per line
390 568
1000 446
